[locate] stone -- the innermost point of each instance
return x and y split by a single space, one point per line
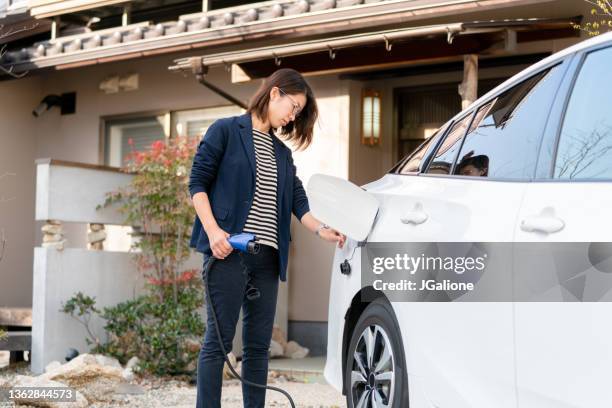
96 227
279 336
276 350
294 350
128 374
51 229
95 381
71 353
227 373
107 361
52 237
133 363
96 236
52 366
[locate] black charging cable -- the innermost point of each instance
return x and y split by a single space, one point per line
209 264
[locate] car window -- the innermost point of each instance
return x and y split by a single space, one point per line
504 138
446 153
585 144
412 164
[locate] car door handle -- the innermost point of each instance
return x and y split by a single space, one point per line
416 216
540 223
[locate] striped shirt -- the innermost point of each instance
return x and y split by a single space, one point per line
262 218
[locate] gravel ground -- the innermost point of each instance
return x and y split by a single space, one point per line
151 392
181 395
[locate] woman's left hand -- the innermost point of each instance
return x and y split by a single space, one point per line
331 235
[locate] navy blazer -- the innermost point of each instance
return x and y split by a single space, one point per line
224 168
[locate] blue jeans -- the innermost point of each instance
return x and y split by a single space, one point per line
227 284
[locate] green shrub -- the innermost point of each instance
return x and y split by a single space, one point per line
162 334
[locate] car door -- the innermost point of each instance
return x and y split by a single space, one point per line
563 273
461 353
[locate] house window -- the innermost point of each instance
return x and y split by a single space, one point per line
195 122
144 129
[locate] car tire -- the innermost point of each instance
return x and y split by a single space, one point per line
375 372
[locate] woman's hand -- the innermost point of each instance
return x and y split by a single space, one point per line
328 234
331 235
219 244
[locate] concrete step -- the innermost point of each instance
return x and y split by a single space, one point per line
309 369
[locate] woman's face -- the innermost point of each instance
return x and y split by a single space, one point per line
471 170
283 107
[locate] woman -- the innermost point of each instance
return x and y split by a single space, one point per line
243 180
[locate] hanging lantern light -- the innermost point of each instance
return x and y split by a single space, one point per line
371 117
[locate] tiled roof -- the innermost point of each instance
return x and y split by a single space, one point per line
274 19
216 19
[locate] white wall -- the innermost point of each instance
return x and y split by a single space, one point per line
310 257
109 277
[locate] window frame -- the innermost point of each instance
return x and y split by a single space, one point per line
167 113
577 63
126 116
470 113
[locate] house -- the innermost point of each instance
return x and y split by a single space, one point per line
386 74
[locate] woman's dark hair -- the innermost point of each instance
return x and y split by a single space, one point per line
481 162
292 82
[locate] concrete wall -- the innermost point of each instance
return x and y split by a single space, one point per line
18 135
108 276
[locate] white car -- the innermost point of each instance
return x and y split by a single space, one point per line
529 162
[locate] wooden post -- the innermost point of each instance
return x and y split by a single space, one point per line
468 89
126 16
55 28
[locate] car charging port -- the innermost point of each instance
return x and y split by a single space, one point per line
345 267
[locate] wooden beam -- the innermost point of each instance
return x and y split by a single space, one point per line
17 341
468 89
352 59
16 316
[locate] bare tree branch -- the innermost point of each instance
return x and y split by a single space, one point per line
7 174
8 33
14 31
